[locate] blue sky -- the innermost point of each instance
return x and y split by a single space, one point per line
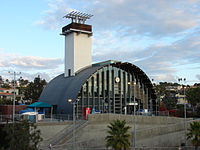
20 35
161 37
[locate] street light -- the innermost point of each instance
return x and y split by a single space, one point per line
185 115
185 109
154 87
14 88
74 119
132 84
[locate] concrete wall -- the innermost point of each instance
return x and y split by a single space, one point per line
130 118
146 136
78 47
82 51
69 53
51 129
151 131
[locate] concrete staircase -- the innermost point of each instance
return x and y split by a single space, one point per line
64 135
68 135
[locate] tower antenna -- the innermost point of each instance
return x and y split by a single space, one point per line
78 17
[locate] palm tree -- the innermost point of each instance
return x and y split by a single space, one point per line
194 134
118 138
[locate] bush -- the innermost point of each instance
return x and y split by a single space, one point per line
22 132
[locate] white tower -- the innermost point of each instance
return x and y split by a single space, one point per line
78 43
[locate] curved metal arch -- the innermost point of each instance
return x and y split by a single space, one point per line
60 89
129 67
136 70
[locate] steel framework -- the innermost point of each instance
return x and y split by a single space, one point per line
78 17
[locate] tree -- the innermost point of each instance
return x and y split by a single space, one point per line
118 137
161 87
6 86
34 89
5 101
1 80
193 96
194 134
22 86
170 100
23 82
20 136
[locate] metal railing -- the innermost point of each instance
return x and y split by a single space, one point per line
43 118
131 148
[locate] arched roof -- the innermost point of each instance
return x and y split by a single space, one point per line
136 70
61 88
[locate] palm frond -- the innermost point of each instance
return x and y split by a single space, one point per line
118 137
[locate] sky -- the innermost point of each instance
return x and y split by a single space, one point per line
162 37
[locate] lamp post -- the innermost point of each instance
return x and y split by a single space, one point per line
185 116
154 87
185 109
132 84
74 119
14 88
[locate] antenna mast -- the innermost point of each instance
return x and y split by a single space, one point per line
78 17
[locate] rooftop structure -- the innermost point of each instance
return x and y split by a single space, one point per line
78 43
78 17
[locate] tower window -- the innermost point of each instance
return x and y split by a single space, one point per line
69 72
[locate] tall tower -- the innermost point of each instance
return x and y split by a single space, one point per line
78 43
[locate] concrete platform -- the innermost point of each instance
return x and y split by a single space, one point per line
151 131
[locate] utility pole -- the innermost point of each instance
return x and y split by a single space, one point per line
14 74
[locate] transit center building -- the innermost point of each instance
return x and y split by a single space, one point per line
105 87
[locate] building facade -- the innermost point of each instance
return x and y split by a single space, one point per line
105 87
8 93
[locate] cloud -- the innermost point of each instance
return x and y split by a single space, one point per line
9 60
27 76
155 35
163 78
29 67
198 76
155 18
52 18
31 76
31 62
158 59
147 17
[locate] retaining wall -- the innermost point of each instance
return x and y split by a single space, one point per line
98 118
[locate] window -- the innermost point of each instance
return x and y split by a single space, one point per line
69 72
